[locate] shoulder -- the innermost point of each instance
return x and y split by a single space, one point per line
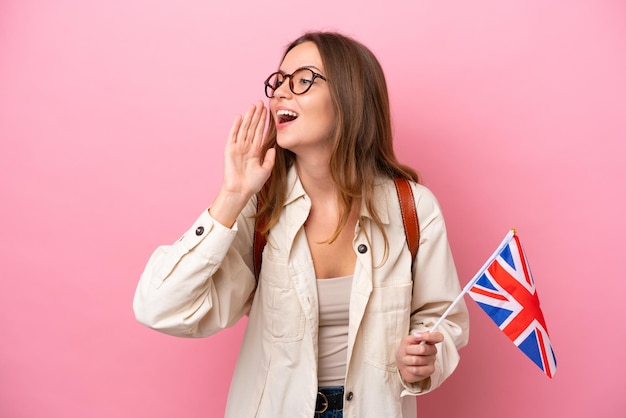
429 211
426 203
422 194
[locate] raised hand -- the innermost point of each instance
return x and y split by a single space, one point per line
244 172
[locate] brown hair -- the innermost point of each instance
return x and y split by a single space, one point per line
362 139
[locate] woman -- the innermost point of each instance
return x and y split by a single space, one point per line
338 323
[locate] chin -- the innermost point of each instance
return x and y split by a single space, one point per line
302 142
284 141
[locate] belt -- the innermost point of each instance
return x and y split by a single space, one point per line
328 402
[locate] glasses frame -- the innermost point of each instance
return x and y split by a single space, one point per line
290 77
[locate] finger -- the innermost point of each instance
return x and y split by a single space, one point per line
415 361
420 371
421 350
269 159
245 125
234 129
260 126
429 337
254 121
257 122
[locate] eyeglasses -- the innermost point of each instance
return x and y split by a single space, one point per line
299 82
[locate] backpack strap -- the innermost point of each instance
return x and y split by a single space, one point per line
409 214
409 219
258 241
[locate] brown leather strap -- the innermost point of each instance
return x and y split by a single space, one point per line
259 242
409 214
409 219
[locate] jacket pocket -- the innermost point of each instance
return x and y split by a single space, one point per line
285 317
386 323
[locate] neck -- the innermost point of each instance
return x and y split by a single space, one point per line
316 179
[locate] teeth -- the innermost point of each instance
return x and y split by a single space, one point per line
284 112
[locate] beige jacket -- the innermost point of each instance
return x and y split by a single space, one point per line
204 283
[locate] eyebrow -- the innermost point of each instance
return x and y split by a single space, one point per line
310 67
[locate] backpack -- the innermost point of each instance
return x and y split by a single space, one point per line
409 220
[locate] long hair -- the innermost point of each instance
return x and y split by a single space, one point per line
362 142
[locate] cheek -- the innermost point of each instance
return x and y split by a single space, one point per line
331 123
326 113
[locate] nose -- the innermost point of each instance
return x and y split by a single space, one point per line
283 91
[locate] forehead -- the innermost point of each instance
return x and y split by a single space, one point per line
304 55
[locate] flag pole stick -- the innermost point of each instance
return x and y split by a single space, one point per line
471 283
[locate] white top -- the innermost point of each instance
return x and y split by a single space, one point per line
334 307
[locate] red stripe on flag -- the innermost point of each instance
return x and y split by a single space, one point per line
544 355
530 303
492 295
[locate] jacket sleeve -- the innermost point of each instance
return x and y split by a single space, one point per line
436 285
202 283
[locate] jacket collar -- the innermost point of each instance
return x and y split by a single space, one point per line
383 192
294 186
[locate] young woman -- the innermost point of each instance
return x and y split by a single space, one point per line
339 318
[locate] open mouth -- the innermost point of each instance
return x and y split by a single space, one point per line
284 116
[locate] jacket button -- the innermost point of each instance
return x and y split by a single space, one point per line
362 248
199 230
349 396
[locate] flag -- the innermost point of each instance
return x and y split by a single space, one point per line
506 291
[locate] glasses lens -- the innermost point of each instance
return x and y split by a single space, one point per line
272 83
302 80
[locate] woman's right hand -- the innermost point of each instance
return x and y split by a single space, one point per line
244 172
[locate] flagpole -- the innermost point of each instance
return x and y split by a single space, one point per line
471 283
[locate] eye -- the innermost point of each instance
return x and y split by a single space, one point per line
303 79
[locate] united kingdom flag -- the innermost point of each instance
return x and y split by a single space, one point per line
506 292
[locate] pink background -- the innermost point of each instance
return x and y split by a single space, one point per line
113 116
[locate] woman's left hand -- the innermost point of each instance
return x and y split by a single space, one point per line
415 357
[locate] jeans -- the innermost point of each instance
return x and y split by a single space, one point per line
334 413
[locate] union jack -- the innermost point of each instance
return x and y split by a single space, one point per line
506 292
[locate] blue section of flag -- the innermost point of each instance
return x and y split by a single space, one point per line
485 282
507 256
499 315
530 347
